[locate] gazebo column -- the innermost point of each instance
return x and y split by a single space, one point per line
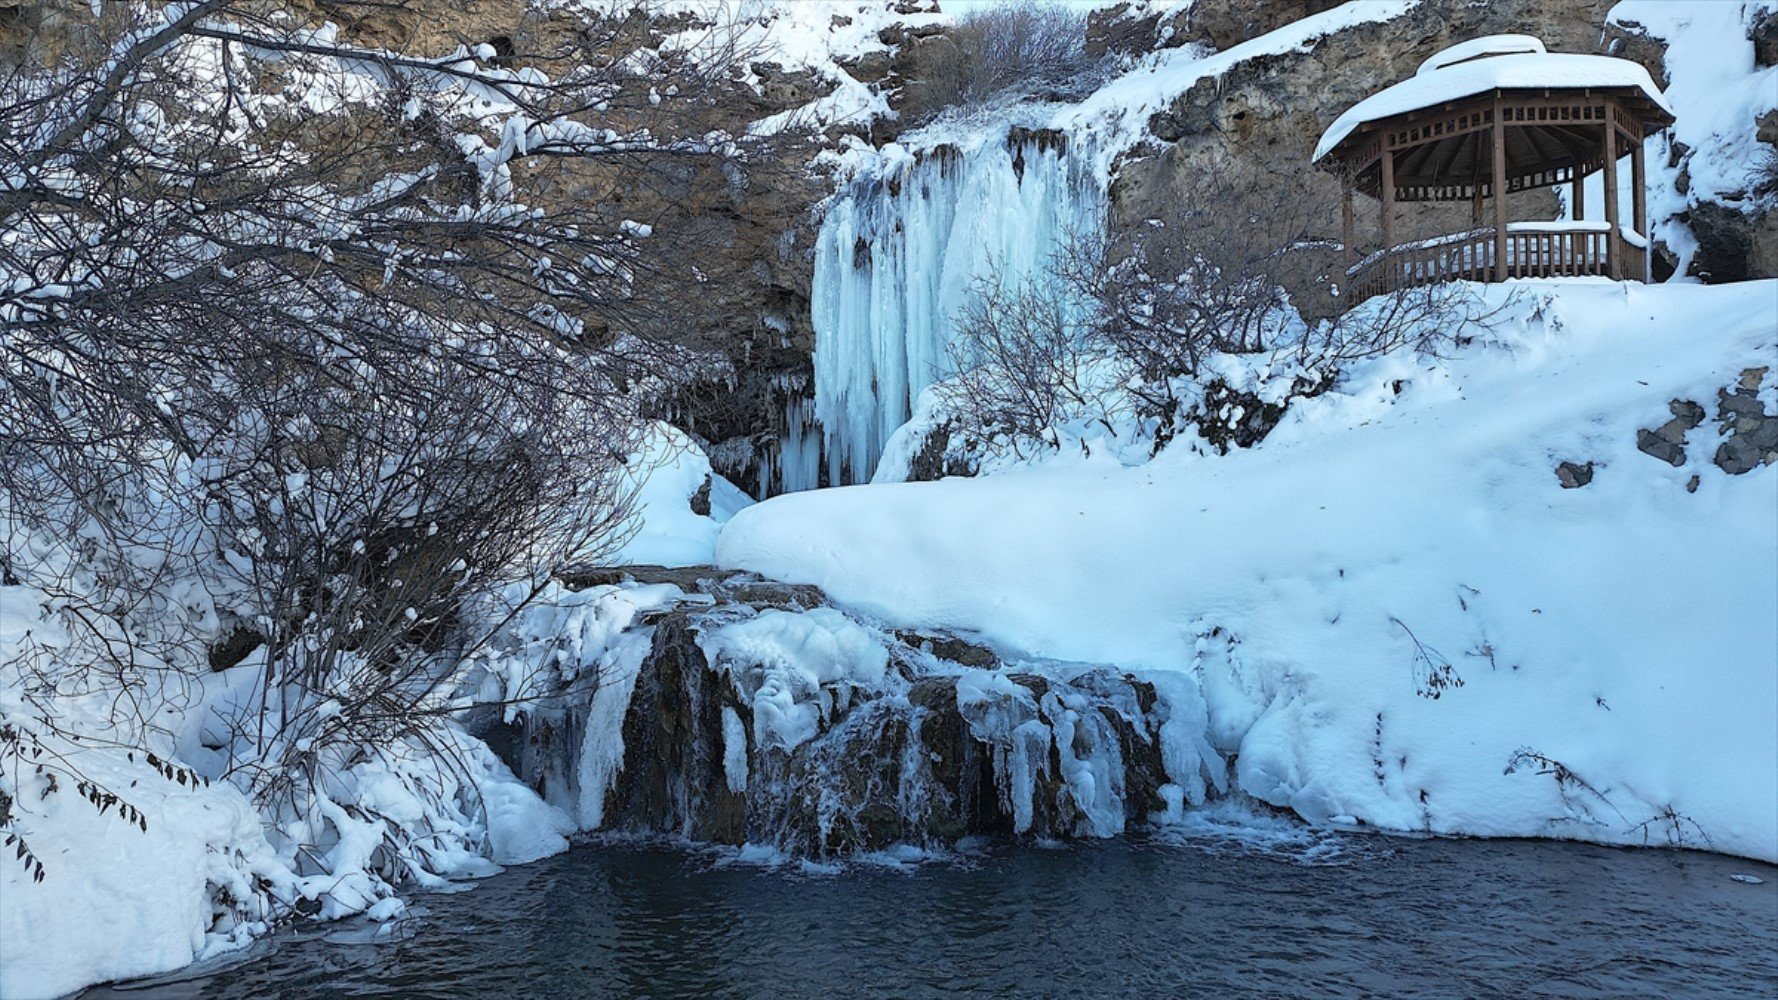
1639 209
1579 201
1497 178
1388 193
1348 226
1612 236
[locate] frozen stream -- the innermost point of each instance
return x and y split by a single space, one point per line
1285 913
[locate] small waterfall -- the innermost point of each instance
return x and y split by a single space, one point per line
898 252
765 719
796 464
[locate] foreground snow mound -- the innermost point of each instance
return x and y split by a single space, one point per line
680 504
1398 615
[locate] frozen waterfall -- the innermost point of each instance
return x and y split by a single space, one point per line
898 252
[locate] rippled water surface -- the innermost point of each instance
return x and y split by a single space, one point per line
1276 913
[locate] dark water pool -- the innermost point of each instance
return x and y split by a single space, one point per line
1275 913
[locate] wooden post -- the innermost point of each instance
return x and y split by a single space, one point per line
1639 206
1580 196
1612 236
1348 228
1475 183
1388 194
1498 179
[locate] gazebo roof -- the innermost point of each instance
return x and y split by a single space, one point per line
1496 63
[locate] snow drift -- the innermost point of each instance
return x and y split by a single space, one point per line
1397 614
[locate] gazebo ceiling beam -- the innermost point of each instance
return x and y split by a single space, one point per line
1580 145
1538 155
1458 149
1533 138
1413 159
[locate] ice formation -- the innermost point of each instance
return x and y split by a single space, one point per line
898 252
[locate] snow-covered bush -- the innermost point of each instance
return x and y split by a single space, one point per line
1188 323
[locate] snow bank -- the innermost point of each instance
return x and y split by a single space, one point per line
1331 587
666 472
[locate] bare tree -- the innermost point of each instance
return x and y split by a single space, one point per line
1022 355
287 316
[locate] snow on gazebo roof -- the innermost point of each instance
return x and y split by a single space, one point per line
1481 65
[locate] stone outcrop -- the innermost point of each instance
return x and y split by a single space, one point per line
909 762
1749 433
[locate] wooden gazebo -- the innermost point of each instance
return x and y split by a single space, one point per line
1483 119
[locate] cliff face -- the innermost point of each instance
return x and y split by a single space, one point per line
1261 119
1252 127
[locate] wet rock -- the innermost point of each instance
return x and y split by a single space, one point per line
952 648
673 779
1573 476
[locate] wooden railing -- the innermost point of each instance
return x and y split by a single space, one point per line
1533 250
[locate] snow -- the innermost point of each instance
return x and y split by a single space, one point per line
1537 71
797 670
1476 48
664 473
1717 92
1317 585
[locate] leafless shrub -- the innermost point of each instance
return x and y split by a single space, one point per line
1021 350
1036 48
335 366
1234 272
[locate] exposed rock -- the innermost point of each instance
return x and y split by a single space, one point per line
934 459
672 780
1766 128
1733 244
723 585
1667 442
1764 34
1573 476
1123 29
950 647
1229 417
700 501
1224 24
234 647
1750 433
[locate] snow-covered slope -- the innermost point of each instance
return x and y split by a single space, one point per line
1396 613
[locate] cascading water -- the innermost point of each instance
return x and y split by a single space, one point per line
898 253
754 715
